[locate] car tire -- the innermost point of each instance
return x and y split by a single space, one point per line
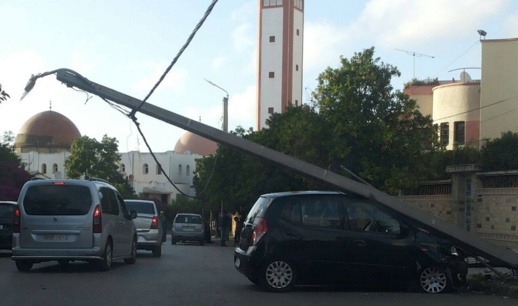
23 265
202 242
434 279
278 276
106 262
133 258
157 251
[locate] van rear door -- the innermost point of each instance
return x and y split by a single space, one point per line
56 215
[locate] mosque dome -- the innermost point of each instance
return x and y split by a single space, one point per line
195 144
49 131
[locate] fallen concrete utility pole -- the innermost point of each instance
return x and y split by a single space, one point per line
495 255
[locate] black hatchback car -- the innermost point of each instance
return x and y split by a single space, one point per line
6 224
330 238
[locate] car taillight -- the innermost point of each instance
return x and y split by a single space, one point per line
16 220
154 223
97 220
259 230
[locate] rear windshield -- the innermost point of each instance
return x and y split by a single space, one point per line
258 209
141 207
57 200
188 219
6 212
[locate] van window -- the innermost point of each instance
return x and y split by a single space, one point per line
366 217
109 201
258 209
141 207
57 200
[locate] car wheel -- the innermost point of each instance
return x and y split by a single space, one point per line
106 262
202 241
133 258
434 280
157 251
278 276
24 265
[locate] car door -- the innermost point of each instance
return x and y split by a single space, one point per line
379 248
313 230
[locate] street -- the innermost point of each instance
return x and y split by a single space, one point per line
186 274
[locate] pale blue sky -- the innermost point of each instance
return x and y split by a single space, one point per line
127 45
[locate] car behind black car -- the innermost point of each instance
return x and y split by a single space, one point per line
330 238
6 224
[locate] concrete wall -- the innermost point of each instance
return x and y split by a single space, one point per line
489 213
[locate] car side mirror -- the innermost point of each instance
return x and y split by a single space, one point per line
133 214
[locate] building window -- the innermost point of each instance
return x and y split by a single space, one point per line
179 169
44 168
145 169
158 169
270 110
272 38
458 134
445 133
296 102
123 168
298 32
54 168
271 75
187 170
296 67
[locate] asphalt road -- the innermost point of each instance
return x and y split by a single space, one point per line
188 274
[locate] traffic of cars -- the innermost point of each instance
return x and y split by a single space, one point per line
288 238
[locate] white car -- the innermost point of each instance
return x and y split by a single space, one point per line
149 227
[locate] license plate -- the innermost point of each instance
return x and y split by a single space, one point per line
188 228
55 237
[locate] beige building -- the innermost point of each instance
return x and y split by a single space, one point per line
468 111
499 90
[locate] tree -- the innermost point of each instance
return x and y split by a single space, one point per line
500 153
3 94
376 132
97 159
12 173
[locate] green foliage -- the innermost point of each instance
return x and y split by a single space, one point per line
12 173
500 153
3 94
376 132
416 82
97 159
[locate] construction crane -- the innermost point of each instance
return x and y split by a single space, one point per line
414 54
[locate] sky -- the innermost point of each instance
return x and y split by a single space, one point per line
127 45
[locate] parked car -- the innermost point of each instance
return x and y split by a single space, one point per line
330 238
149 227
6 224
69 220
188 227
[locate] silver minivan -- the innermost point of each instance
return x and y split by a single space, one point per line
69 220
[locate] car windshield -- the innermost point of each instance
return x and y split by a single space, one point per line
141 207
57 200
188 219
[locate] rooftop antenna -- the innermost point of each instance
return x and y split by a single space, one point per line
414 54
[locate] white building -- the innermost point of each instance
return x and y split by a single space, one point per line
43 143
279 79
